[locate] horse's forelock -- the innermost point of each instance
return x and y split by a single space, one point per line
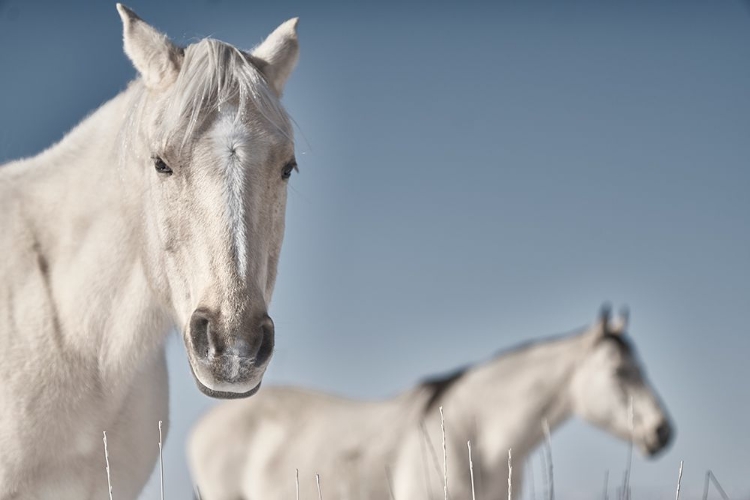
216 74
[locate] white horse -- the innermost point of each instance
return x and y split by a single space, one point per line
250 449
163 209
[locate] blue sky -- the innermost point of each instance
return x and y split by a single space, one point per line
472 175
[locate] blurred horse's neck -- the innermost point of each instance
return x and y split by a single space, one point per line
515 395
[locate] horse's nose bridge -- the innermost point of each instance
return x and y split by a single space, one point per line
650 409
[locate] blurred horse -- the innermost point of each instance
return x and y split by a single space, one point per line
163 209
250 449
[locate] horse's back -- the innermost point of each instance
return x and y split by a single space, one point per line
220 444
251 448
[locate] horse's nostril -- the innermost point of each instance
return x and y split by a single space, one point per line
664 433
265 348
202 335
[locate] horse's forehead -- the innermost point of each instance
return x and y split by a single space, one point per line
233 128
620 342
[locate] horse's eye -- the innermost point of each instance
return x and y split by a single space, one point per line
626 373
161 167
288 168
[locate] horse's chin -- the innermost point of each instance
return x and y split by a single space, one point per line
651 450
221 394
225 394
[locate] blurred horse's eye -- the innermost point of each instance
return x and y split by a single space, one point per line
288 168
161 167
626 373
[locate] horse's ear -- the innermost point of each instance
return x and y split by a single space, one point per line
605 314
277 55
620 324
156 58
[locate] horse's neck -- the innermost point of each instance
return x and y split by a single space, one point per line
513 396
86 231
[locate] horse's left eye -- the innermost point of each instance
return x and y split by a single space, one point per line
161 166
288 168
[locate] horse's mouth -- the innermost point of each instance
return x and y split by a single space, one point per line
652 449
222 394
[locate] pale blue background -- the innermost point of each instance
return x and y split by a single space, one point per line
473 175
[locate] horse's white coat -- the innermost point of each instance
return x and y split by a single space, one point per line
250 449
103 256
230 134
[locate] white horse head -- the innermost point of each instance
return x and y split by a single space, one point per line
610 388
211 150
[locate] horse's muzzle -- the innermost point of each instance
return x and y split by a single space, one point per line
229 365
663 436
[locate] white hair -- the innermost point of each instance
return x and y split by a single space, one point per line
213 74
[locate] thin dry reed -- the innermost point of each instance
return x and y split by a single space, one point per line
317 482
710 476
510 474
548 449
531 481
161 463
445 456
545 476
425 467
106 458
679 480
296 481
606 485
626 478
471 471
429 445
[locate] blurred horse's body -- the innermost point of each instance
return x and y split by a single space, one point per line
163 209
250 449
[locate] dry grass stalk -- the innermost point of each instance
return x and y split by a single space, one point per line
161 462
626 478
425 467
548 449
429 444
710 476
471 471
106 458
606 485
296 481
317 481
510 474
532 482
445 456
679 480
545 476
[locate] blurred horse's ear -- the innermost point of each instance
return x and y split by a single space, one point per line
277 55
620 325
156 58
602 323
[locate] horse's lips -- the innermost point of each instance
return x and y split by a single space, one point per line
225 395
222 394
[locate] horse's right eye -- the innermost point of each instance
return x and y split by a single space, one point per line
161 166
